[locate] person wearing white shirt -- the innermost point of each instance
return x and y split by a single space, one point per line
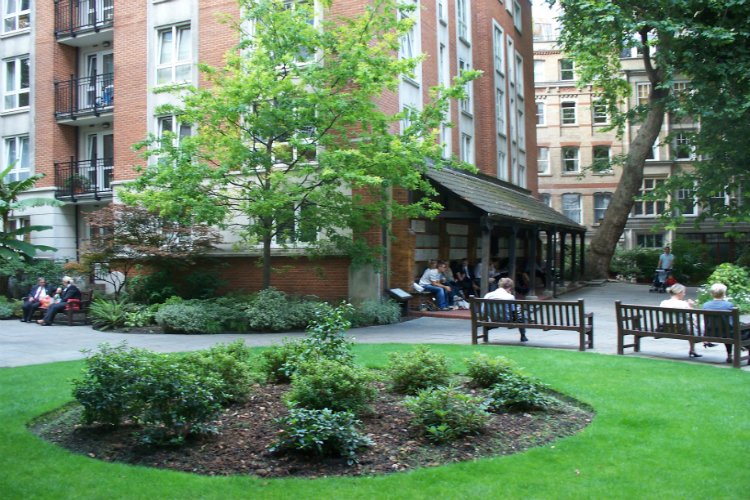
504 291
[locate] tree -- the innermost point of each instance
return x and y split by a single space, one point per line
290 144
678 38
13 246
125 237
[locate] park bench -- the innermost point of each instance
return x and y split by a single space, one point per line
697 325
531 314
76 311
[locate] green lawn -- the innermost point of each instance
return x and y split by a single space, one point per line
663 430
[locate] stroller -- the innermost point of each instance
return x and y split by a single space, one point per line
661 280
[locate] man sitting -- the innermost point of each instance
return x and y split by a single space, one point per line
433 280
69 291
504 291
33 300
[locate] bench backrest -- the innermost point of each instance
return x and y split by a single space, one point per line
545 312
692 322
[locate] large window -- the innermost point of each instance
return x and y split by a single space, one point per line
517 16
466 104
599 113
293 226
571 205
568 113
409 41
538 70
567 70
540 118
17 154
15 15
602 159
686 200
175 52
498 47
466 148
650 240
649 208
16 83
643 90
500 111
171 126
682 148
571 159
462 20
542 160
601 203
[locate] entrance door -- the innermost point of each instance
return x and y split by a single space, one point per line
100 160
97 84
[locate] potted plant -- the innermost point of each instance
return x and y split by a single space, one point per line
77 183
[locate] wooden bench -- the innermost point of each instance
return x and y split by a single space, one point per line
696 325
75 311
531 314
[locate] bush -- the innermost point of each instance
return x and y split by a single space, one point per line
139 316
8 308
321 433
518 393
485 371
420 369
279 362
737 280
25 274
230 363
328 384
273 311
638 262
192 316
109 314
691 261
444 414
376 312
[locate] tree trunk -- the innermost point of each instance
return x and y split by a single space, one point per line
266 261
603 244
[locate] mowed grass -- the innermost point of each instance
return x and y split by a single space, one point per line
663 430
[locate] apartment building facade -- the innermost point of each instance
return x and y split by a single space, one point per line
79 80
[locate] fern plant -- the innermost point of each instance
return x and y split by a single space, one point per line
109 314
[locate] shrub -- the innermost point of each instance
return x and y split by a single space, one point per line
7 308
278 363
420 369
444 414
273 311
139 316
108 391
691 261
638 262
230 363
325 337
109 314
737 280
376 312
191 317
485 371
321 433
518 393
328 384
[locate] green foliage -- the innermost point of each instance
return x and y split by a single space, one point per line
485 371
192 316
109 314
27 273
737 280
328 384
228 363
173 280
8 308
691 261
638 262
443 414
320 432
518 393
278 363
376 312
140 316
274 311
413 371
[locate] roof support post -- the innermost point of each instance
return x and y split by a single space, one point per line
486 226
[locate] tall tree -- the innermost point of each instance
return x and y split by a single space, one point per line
675 38
13 244
290 144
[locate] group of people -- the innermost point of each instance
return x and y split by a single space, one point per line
54 300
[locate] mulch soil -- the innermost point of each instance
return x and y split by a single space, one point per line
246 431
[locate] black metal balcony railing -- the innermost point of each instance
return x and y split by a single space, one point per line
84 177
85 95
73 17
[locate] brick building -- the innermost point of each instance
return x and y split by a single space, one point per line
78 80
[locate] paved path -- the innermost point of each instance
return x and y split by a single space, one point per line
26 344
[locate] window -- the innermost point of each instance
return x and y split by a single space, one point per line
442 11
599 113
686 201
517 19
17 154
171 125
650 240
15 15
570 159
643 90
462 20
571 205
466 104
466 153
544 32
540 113
653 154
602 159
682 148
497 48
538 70
601 202
542 160
175 55
567 70
294 225
500 111
18 223
649 208
568 113
546 198
408 48
717 202
16 83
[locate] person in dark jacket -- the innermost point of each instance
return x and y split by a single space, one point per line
70 291
33 300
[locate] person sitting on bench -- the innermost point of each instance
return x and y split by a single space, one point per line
70 291
504 291
719 303
433 280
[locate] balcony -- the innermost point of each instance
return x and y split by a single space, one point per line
84 22
87 99
84 180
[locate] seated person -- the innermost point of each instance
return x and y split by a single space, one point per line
719 303
465 278
505 292
33 300
433 280
69 291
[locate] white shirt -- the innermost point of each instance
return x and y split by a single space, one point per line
501 294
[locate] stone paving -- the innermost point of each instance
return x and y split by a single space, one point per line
28 343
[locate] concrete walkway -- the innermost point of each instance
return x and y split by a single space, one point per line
27 344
